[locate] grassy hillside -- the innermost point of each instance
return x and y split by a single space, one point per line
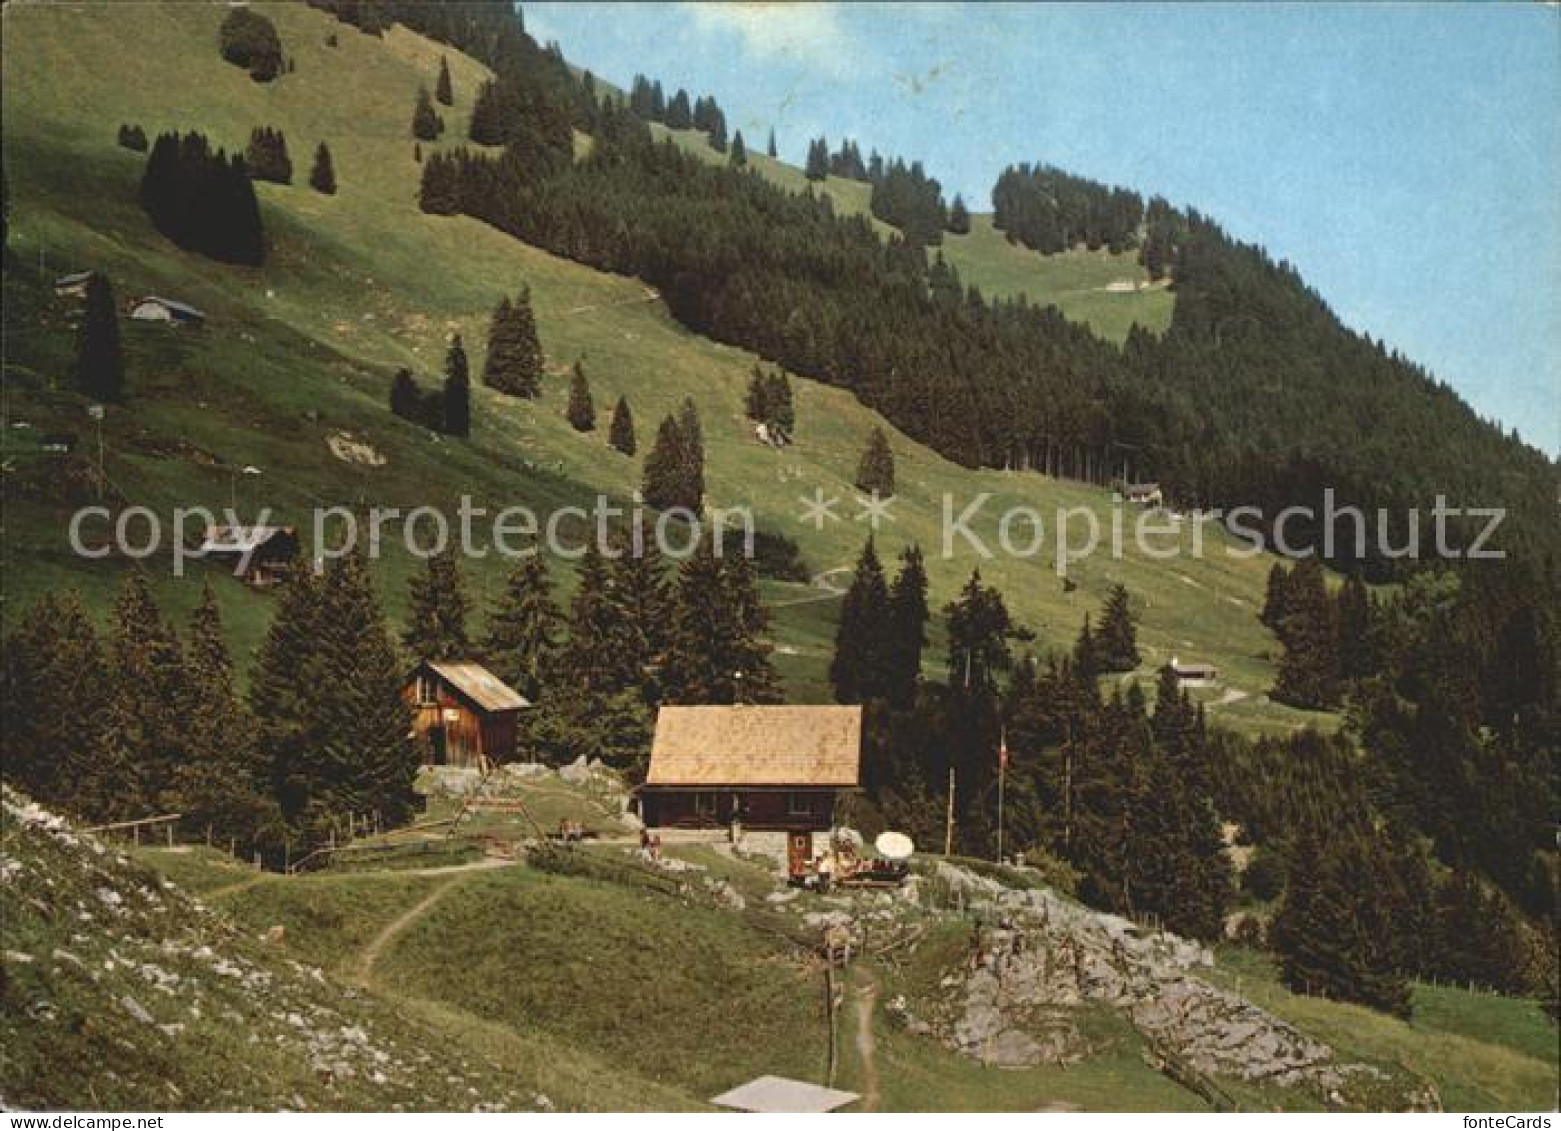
300 353
1108 292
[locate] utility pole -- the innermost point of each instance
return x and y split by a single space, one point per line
948 827
1002 775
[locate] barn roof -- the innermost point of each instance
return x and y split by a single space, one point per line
479 685
745 745
181 308
72 279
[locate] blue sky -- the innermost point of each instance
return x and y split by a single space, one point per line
1407 158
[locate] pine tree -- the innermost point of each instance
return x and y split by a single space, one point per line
100 370
598 660
514 361
146 721
426 123
679 115
978 632
581 412
457 411
524 629
739 152
817 167
220 787
322 177
770 147
663 486
691 452
436 628
959 217
1274 610
908 615
861 668
620 433
54 696
715 647
640 585
1353 616
1086 653
1308 672
267 156
248 39
875 472
1117 640
443 91
406 398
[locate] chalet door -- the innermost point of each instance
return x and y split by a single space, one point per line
799 852
438 738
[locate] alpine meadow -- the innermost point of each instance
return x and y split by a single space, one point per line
533 590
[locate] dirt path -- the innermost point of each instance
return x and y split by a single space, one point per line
363 967
234 889
866 1046
650 295
831 591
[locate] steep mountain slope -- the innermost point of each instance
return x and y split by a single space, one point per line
301 350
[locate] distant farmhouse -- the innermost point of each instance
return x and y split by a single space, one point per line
1144 494
155 309
463 713
1192 674
258 555
73 285
766 768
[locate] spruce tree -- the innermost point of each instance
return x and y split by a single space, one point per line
861 668
100 370
599 659
1117 641
443 90
436 616
770 147
322 177
715 647
738 157
524 629
1274 610
817 167
640 586
426 123
406 398
978 631
691 456
457 410
146 715
908 614
875 472
514 361
1308 672
663 485
1353 617
581 411
959 217
221 789
620 433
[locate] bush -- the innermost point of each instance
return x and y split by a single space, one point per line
775 556
249 40
133 137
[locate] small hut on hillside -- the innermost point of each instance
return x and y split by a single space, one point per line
153 308
465 714
258 555
1191 674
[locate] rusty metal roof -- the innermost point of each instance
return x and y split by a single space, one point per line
479 685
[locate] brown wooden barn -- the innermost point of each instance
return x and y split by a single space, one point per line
771 768
465 714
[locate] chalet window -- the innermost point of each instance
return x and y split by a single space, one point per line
704 804
799 805
425 690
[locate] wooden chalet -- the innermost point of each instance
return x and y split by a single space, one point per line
73 285
767 768
466 715
1144 494
258 555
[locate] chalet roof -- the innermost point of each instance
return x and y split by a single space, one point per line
73 278
479 685
1191 667
746 745
239 539
176 307
1142 488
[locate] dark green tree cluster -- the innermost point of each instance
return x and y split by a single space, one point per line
875 470
768 402
437 611
267 156
427 125
446 408
581 409
1305 617
959 217
203 200
133 138
675 468
134 722
249 40
906 197
1115 645
326 694
1048 210
514 363
881 633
